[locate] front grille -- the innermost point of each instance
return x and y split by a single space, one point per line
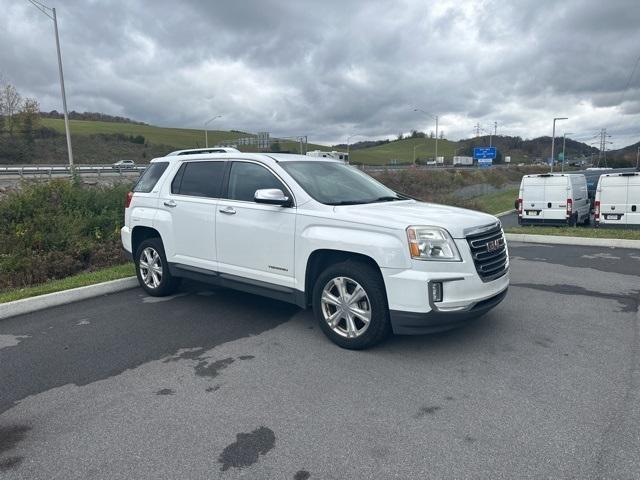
489 264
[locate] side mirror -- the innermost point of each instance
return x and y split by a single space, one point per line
271 196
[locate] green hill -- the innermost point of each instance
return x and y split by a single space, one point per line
403 150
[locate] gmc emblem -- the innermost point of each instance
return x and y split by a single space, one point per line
493 245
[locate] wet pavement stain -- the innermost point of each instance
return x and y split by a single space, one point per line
10 463
212 370
469 439
302 475
247 448
194 354
12 435
215 388
246 357
628 302
165 391
427 411
545 342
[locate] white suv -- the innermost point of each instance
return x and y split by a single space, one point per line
315 232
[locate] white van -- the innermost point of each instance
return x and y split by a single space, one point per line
618 199
553 199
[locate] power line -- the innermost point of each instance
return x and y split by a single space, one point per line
626 88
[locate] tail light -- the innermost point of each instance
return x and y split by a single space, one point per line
519 206
596 211
127 200
569 207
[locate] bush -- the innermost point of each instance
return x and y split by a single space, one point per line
56 229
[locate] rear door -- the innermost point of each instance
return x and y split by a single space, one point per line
532 197
613 200
556 192
188 206
633 200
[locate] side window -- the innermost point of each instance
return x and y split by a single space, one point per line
150 177
245 178
199 179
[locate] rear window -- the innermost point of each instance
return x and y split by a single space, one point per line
199 179
150 177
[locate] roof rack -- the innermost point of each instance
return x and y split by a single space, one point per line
197 151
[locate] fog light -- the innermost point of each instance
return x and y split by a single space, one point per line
436 291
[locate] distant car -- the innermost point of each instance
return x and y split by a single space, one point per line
124 164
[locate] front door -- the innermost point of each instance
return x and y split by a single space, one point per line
254 240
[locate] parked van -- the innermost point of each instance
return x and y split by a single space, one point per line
618 200
553 199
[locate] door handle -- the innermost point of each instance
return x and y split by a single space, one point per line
228 210
170 203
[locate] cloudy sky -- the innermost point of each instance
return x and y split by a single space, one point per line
331 68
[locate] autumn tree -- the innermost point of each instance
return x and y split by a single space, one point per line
11 101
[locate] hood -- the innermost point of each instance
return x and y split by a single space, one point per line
457 221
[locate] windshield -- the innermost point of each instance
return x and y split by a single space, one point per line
334 183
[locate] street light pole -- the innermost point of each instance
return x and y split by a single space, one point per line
435 117
43 8
564 141
64 96
638 159
206 136
553 138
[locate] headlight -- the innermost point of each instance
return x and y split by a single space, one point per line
432 243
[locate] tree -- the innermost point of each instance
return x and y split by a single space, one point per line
400 136
11 101
29 118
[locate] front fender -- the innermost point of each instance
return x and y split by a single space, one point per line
384 247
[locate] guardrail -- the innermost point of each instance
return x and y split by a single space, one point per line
50 170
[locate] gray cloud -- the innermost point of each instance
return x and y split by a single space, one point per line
332 68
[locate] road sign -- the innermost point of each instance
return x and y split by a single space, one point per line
484 152
485 162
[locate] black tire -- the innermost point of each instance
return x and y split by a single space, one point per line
370 279
168 284
587 221
573 221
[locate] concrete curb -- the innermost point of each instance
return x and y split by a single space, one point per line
580 241
505 213
33 304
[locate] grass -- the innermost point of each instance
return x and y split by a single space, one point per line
588 232
402 150
175 137
80 280
497 202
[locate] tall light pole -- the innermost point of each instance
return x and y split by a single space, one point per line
435 117
564 143
44 9
638 159
349 144
206 136
553 138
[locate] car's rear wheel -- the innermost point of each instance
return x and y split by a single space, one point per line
350 305
152 269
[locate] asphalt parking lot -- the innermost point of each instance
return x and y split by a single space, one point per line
212 383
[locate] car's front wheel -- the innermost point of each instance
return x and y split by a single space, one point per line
152 269
350 305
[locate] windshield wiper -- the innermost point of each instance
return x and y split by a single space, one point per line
348 202
387 198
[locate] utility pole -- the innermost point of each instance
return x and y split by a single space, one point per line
638 159
553 139
495 129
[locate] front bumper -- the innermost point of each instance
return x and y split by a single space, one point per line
415 323
464 294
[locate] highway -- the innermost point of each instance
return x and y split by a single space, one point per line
212 383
